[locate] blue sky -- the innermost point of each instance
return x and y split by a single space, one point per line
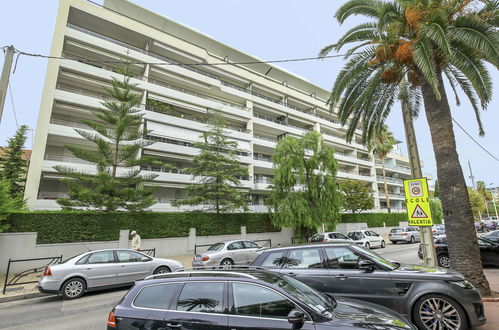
270 30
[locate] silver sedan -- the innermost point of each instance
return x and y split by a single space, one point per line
96 270
228 253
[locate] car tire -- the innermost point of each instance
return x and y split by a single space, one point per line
73 288
367 245
412 240
443 260
162 270
227 263
394 242
383 244
431 306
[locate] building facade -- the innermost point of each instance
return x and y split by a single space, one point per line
260 102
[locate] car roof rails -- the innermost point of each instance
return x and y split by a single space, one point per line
199 272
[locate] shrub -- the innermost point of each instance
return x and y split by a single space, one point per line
61 227
377 219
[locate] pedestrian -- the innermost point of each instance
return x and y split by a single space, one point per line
135 240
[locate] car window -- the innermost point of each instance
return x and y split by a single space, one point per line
254 300
317 238
156 296
355 235
367 233
274 259
373 233
216 247
482 242
340 235
304 258
128 256
342 258
235 246
102 257
250 245
396 230
205 297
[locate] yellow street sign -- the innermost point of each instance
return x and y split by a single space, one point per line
417 200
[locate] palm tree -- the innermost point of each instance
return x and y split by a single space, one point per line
425 40
381 145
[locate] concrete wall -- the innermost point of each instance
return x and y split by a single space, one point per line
23 246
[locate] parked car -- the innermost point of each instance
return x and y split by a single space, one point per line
367 238
438 230
348 270
330 237
242 299
228 253
489 252
96 270
492 236
404 234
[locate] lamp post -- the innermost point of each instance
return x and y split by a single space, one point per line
494 200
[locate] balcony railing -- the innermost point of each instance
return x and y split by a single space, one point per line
265 159
265 138
65 159
394 180
280 122
394 167
69 123
162 169
51 195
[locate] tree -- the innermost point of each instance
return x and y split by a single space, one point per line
381 145
356 196
477 203
436 193
486 195
436 209
425 40
7 204
118 137
218 169
13 163
304 192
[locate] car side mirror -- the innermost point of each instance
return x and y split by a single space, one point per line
144 259
366 265
296 318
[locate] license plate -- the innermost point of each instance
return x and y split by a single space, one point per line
198 258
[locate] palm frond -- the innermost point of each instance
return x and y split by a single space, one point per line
424 59
367 8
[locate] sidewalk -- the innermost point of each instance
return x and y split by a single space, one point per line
491 308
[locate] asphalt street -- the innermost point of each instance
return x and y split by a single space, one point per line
91 311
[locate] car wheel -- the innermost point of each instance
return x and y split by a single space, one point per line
73 288
383 244
443 261
368 246
435 311
227 263
412 240
162 270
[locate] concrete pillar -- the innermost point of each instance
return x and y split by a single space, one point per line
192 239
243 232
123 242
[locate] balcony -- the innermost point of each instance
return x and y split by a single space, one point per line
403 169
288 127
391 180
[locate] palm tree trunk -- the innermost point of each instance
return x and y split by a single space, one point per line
386 187
461 235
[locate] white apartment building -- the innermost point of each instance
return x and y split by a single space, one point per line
260 102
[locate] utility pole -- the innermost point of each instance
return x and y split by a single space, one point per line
429 255
471 175
4 79
494 191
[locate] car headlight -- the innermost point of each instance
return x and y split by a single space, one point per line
464 284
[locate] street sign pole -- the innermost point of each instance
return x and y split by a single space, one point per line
429 255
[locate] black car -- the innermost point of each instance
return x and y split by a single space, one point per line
242 299
492 236
489 251
348 270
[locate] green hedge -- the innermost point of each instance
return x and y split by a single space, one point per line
377 219
61 227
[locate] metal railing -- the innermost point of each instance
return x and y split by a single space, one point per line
265 159
16 279
67 159
264 138
51 195
149 252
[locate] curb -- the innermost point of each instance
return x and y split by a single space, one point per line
23 296
490 299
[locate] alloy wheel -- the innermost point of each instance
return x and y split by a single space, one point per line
226 264
73 289
444 261
439 314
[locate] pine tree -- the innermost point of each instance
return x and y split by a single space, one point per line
304 191
218 170
117 137
13 164
7 204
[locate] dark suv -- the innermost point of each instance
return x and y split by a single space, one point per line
242 299
348 270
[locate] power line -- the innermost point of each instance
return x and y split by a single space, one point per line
469 135
13 107
301 59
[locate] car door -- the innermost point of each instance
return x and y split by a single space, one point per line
488 252
374 238
131 267
255 307
251 251
201 305
346 280
100 269
307 265
237 253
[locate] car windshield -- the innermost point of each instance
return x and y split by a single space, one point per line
374 256
313 299
216 247
355 235
396 230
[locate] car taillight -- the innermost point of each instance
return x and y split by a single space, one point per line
47 271
206 258
404 234
111 320
324 241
